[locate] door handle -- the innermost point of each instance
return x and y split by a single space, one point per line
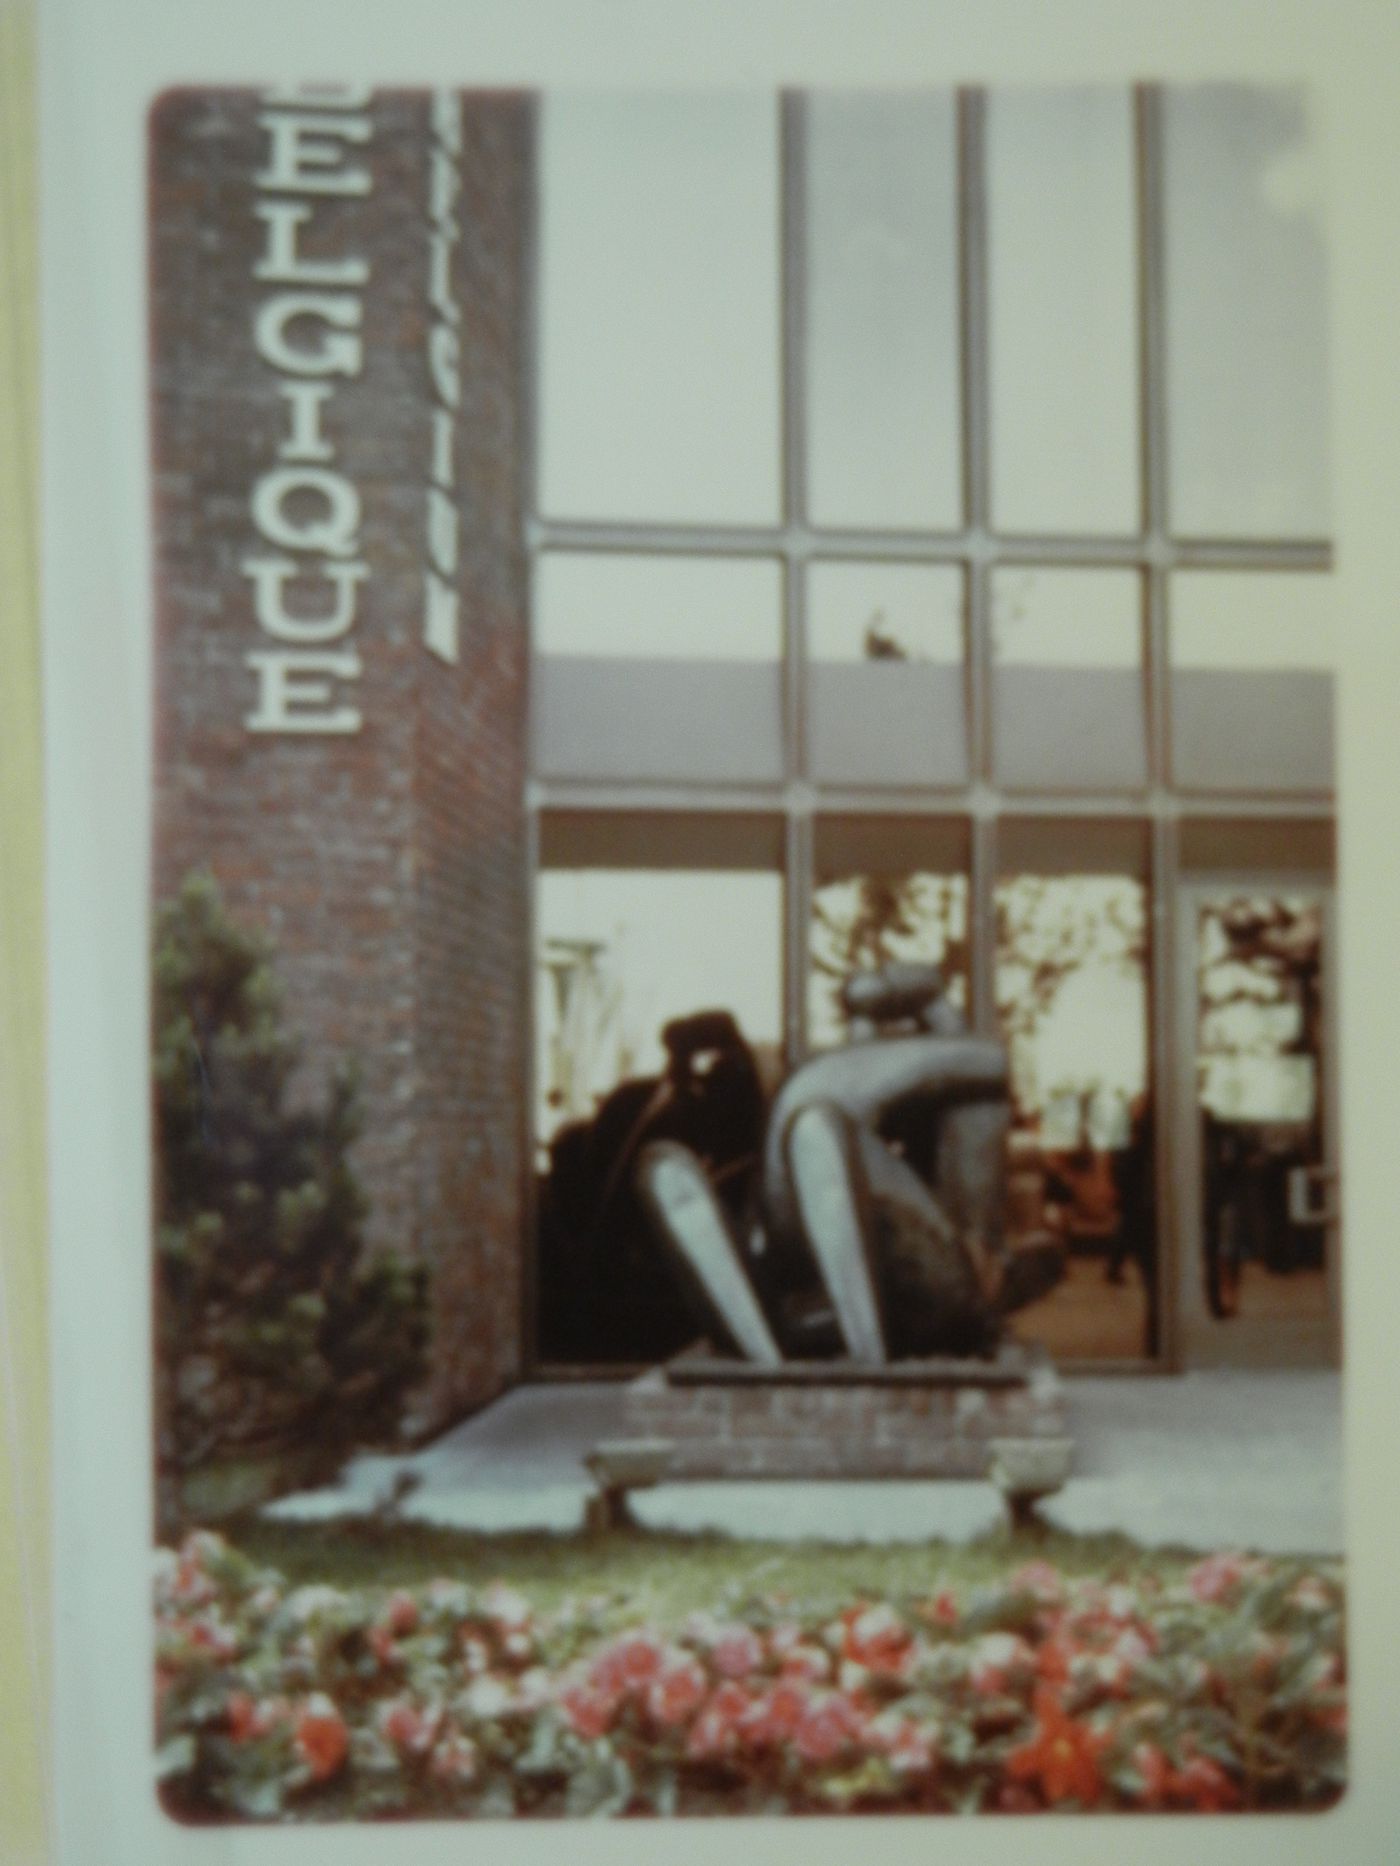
1312 1195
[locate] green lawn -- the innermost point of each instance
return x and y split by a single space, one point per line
658 1576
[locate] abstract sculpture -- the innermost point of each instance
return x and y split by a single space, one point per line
873 1226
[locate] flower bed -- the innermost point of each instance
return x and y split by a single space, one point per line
1223 1691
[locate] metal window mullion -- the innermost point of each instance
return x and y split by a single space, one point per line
797 821
1166 1077
799 867
972 279
1153 435
981 921
794 432
973 314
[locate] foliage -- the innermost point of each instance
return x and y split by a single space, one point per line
1223 1689
864 922
275 1327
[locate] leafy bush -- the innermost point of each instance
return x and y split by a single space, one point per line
1225 1690
275 1330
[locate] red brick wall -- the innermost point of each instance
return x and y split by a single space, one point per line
387 865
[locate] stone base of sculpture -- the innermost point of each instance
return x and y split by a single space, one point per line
936 1417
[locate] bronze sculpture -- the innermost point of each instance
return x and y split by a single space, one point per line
860 1215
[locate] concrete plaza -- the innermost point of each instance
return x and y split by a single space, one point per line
1207 1459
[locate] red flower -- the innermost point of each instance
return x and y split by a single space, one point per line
321 1737
942 1610
1206 1786
1062 1757
1150 1761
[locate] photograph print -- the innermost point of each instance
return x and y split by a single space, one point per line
742 954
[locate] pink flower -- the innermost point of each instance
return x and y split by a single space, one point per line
910 1746
943 1608
677 1691
878 1639
454 1759
719 1728
997 1658
250 1717
828 1725
411 1729
1040 1579
1215 1578
736 1652
773 1718
629 1661
805 1661
400 1613
211 1634
589 1711
1310 1594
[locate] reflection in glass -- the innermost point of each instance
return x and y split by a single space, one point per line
1245 314
883 402
1071 992
1252 656
657 666
622 951
659 315
1259 1052
625 960
860 922
885 675
1062 259
1067 683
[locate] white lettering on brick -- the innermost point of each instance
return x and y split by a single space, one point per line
308 592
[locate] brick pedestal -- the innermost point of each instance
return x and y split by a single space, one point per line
934 1418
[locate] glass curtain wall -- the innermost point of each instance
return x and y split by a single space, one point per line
887 510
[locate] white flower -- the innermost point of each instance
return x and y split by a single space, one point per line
486 1697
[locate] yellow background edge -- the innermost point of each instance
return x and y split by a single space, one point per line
24 1436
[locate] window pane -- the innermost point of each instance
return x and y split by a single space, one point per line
1251 680
1067 682
884 409
1062 255
657 667
623 951
885 681
1071 988
1246 322
1260 1090
620 954
659 392
886 888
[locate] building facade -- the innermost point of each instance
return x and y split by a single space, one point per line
625 556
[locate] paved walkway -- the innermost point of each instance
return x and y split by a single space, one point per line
1209 1460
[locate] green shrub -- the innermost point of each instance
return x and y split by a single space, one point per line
276 1331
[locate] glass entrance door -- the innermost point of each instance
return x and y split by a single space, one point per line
1258 1268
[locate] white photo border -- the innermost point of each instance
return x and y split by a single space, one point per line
100 68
